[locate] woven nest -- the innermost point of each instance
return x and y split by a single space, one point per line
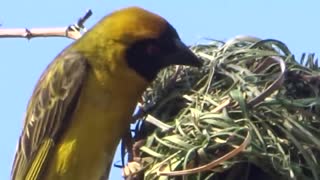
252 111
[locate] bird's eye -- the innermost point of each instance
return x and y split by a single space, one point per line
152 49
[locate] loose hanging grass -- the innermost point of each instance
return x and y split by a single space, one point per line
252 111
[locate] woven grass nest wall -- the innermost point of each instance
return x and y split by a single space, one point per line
251 112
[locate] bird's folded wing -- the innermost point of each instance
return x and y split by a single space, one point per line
50 107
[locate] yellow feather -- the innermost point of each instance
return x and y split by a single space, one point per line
102 116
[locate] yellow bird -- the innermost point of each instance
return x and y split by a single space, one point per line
81 105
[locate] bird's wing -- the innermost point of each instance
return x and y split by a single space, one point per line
50 107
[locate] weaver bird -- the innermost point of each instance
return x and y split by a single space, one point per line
82 103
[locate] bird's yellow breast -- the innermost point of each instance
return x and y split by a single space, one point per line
99 121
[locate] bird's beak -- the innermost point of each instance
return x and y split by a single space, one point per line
182 56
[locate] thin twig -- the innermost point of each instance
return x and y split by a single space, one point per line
72 31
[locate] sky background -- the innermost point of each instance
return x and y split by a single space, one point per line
296 23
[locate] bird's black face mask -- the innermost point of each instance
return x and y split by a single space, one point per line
147 57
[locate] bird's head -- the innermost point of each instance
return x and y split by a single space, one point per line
151 42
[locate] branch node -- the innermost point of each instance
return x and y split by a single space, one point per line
79 26
28 34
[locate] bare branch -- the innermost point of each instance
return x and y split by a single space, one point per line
72 31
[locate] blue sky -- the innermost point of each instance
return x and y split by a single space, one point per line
294 22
